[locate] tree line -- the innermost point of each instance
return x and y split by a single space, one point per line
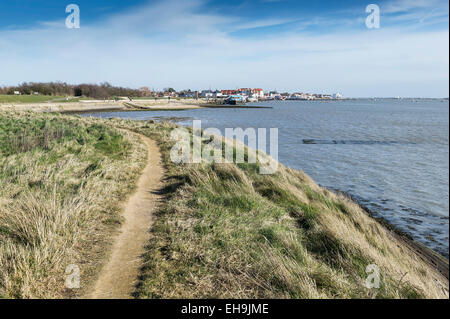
98 91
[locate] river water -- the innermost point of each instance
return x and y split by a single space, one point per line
391 155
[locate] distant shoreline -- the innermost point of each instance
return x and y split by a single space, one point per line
121 105
86 106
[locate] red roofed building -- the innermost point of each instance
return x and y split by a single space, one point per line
229 92
258 92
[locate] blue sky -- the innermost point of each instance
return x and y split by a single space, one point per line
315 46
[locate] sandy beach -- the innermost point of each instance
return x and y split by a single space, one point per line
120 105
105 105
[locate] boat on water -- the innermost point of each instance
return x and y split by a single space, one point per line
234 99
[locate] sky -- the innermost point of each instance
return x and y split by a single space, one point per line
284 45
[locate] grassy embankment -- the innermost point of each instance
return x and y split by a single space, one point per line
224 230
61 183
36 99
227 231
27 98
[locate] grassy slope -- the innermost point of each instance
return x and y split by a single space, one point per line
227 231
27 98
224 230
61 182
37 98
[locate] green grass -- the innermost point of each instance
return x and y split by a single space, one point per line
222 231
22 134
28 98
62 180
39 99
226 231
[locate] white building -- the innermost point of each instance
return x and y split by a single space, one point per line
217 94
258 93
206 94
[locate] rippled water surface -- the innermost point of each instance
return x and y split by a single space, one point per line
391 155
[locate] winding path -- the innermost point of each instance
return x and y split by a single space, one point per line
119 276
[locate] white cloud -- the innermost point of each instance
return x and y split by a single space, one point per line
416 12
174 45
396 6
263 23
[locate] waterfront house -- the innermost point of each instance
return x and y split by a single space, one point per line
229 92
217 94
206 94
258 93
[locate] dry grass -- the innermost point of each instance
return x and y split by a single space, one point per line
59 200
223 231
228 232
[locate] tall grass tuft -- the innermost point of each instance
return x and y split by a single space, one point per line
62 181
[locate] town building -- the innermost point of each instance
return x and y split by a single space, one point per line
229 92
207 94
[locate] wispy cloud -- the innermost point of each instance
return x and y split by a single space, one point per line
396 6
262 23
